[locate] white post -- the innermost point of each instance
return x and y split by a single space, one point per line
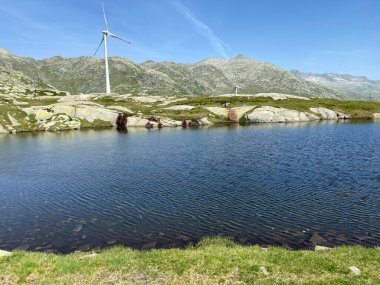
108 88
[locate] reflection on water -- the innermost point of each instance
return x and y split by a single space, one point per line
293 185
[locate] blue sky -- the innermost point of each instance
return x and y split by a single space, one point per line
316 36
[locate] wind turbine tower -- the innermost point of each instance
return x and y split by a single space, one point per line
107 33
237 86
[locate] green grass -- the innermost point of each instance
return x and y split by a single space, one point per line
212 261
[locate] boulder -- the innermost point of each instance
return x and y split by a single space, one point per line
376 116
166 122
321 248
137 122
4 253
327 114
235 114
3 131
92 113
153 125
316 239
205 122
74 124
268 114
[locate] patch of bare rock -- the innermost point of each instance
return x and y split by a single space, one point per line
327 114
268 114
233 114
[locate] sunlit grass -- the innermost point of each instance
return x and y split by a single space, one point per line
212 261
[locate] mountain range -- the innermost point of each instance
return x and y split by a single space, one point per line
358 87
208 77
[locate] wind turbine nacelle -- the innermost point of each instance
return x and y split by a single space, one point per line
105 33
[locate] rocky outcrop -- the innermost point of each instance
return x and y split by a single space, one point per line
2 130
196 123
327 114
166 122
233 114
205 122
268 114
92 113
13 120
137 122
83 112
376 116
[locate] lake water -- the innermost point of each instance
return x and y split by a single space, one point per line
281 184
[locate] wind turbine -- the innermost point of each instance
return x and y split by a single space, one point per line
237 86
107 33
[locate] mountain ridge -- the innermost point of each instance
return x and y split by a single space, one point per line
211 76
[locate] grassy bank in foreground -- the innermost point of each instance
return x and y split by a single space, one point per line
212 261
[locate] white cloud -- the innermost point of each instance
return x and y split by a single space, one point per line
219 46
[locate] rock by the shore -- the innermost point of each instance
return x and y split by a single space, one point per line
321 248
236 113
268 114
166 122
327 114
13 120
317 240
3 131
4 253
233 114
137 122
376 116
205 122
92 113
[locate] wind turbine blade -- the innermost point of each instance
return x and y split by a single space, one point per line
116 37
99 45
105 19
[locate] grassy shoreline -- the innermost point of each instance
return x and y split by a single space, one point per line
212 261
358 110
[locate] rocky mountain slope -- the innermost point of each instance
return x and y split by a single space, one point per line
209 77
358 87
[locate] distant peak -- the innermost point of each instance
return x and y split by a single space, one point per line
240 56
3 51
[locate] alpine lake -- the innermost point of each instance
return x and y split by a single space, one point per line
288 185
